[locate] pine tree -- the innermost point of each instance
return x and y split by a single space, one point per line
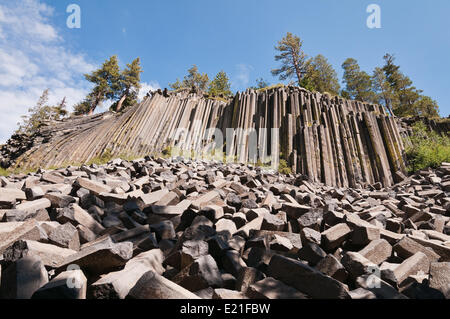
128 85
41 113
220 85
382 89
406 99
106 81
292 57
194 79
320 76
358 83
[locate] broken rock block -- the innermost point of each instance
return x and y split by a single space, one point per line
333 237
22 278
357 265
100 258
332 267
411 266
65 236
94 187
379 287
50 255
407 247
306 279
154 286
440 277
377 251
117 285
226 294
70 284
270 288
29 230
246 277
201 274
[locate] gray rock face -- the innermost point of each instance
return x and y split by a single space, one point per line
178 228
324 124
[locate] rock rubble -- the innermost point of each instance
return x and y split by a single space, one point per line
174 228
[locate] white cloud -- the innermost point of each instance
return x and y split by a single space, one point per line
32 59
242 78
146 87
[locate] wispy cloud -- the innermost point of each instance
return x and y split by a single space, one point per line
146 87
241 78
33 58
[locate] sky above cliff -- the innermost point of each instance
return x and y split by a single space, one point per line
38 50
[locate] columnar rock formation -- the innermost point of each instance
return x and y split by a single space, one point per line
331 140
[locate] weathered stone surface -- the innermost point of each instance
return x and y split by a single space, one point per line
117 285
357 265
50 255
65 236
377 251
246 277
22 278
29 230
440 277
407 247
379 287
411 266
332 238
94 187
332 267
70 284
100 258
201 274
270 288
225 294
154 286
306 279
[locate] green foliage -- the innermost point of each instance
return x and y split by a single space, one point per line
292 57
40 113
102 159
427 148
193 79
128 86
358 83
83 107
279 85
261 83
3 172
106 82
382 89
220 85
320 76
405 100
283 167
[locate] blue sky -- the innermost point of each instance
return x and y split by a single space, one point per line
37 50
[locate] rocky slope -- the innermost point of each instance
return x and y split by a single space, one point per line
334 141
160 228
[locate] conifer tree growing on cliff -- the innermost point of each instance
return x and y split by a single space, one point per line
320 76
106 82
40 113
292 57
220 85
406 100
128 85
358 83
194 79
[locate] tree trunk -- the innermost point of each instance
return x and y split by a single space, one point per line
122 99
94 104
296 66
